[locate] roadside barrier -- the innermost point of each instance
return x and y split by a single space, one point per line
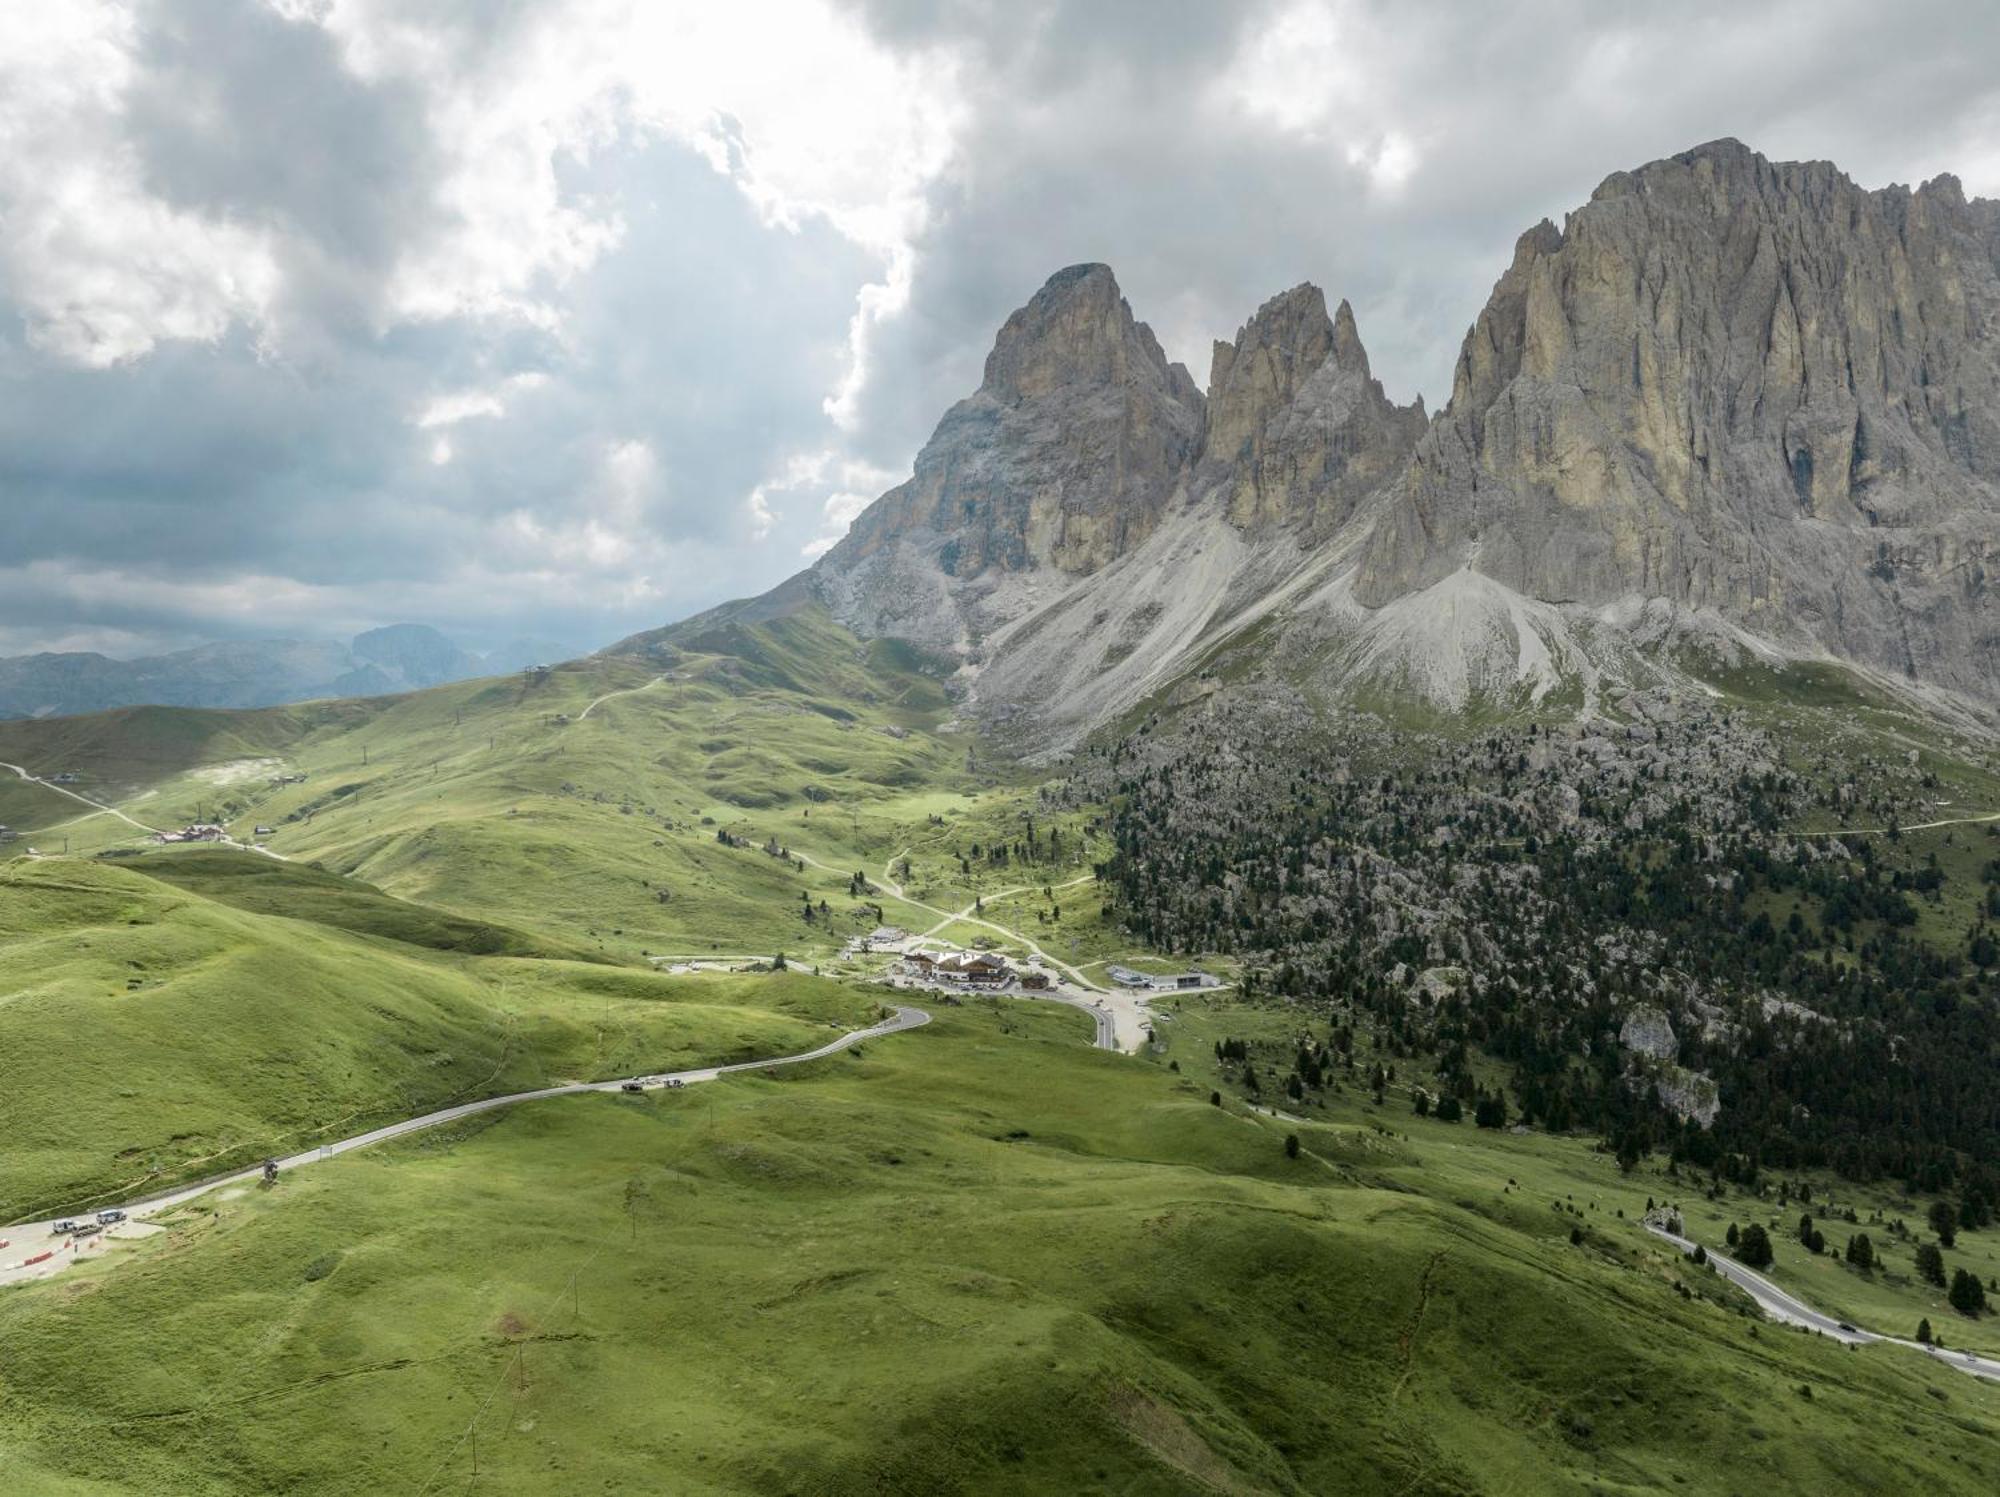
38 1258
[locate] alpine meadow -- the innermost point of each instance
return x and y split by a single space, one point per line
1238 933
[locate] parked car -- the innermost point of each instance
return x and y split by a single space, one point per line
64 1227
676 1082
110 1218
631 1086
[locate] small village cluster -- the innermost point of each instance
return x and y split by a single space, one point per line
947 966
972 969
950 967
198 831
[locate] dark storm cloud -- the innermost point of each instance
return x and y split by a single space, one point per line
534 318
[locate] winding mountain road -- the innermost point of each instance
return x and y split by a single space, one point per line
1098 1007
630 691
1922 826
1788 1309
94 804
99 807
32 1238
966 915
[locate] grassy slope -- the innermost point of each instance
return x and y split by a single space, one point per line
153 1034
188 1009
1524 1175
976 1258
499 800
250 881
857 1282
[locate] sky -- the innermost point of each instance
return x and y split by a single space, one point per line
562 319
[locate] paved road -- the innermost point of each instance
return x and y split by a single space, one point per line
99 806
1789 1309
1107 1034
35 1237
966 915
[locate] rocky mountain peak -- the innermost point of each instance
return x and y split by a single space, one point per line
1064 458
1259 374
1729 402
1078 330
1745 387
1298 429
1347 349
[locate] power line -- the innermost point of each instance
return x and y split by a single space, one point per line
472 1424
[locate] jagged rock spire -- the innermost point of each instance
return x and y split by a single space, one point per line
1298 429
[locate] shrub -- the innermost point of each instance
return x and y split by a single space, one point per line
321 1266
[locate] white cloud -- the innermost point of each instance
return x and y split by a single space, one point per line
101 269
750 243
461 405
605 539
464 405
792 101
801 470
860 483
1388 160
1315 71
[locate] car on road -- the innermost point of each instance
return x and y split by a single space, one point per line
110 1218
1848 1328
631 1086
64 1227
676 1082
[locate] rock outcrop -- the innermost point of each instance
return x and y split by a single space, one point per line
1299 431
1646 1030
1738 386
1730 403
1063 459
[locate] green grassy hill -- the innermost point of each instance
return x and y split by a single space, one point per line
153 1033
262 885
441 864
588 803
977 1257
974 1258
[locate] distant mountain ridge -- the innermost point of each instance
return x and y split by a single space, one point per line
1733 407
250 673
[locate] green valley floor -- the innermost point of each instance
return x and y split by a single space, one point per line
979 1256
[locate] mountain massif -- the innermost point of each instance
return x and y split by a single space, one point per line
249 673
1732 411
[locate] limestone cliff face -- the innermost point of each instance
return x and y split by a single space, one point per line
1064 457
1729 398
1083 441
1739 385
1298 431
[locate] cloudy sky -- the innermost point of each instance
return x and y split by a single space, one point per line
565 318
